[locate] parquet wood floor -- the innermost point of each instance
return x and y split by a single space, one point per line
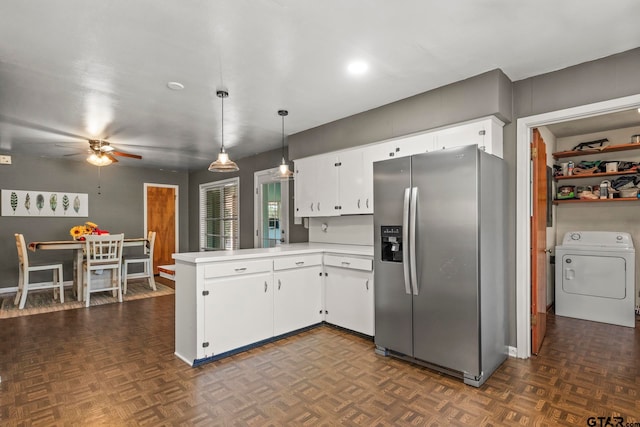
113 365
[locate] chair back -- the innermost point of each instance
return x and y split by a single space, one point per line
23 258
151 241
104 249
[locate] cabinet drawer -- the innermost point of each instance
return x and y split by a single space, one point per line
349 262
297 261
222 269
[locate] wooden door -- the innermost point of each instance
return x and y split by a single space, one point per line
161 218
538 243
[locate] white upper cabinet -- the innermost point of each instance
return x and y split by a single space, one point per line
341 183
486 133
354 195
316 186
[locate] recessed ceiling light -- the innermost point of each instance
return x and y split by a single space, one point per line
357 67
175 85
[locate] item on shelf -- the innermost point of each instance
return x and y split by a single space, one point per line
566 192
564 168
598 144
627 181
629 192
635 139
570 167
611 167
604 189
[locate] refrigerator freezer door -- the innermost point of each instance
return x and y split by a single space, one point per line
393 308
446 311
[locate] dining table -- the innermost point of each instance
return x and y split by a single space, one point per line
78 246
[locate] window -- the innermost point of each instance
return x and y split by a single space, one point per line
219 213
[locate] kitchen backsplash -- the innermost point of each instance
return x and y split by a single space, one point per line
345 230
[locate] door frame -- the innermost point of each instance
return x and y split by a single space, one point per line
524 205
177 204
257 203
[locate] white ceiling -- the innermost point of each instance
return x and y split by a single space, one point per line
74 69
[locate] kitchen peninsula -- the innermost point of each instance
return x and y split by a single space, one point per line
229 301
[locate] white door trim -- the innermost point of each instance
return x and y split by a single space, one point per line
177 204
524 206
257 202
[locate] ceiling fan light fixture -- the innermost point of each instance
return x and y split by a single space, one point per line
223 163
99 160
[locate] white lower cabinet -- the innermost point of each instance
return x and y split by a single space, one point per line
238 311
297 295
349 293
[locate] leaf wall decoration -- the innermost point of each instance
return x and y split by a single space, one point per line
27 202
65 203
14 201
76 204
39 202
53 201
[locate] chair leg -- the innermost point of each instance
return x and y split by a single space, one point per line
20 287
25 289
149 271
124 276
87 288
120 287
61 284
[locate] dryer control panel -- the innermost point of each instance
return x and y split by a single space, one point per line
611 239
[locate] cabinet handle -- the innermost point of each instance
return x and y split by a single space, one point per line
265 286
311 206
299 262
318 206
279 284
367 203
358 203
367 284
346 263
239 269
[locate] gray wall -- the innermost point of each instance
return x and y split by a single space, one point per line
479 96
248 166
120 207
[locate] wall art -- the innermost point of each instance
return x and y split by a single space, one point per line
44 203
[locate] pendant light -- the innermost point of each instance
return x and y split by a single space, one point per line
223 163
284 172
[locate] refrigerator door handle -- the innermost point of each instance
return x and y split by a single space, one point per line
405 240
412 243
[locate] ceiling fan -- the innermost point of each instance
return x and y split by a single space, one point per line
103 154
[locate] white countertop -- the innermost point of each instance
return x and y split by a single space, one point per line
291 249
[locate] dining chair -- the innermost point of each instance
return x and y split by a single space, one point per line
102 252
26 267
146 259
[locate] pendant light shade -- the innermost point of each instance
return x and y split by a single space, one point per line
223 163
283 169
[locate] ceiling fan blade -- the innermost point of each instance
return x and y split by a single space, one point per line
113 159
36 126
121 154
72 154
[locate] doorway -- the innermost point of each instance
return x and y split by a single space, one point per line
161 215
524 136
271 209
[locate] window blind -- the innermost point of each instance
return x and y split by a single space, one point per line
219 213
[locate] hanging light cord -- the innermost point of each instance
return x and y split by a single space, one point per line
222 124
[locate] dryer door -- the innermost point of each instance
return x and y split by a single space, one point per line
597 276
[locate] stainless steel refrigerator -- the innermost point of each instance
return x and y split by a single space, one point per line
440 261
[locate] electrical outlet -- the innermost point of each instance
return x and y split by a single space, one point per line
5 160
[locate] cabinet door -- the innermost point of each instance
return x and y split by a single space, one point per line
238 311
297 299
316 186
305 185
352 185
349 299
326 186
485 133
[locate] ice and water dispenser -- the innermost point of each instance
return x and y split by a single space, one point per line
391 236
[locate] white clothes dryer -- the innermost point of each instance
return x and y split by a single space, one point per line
595 277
